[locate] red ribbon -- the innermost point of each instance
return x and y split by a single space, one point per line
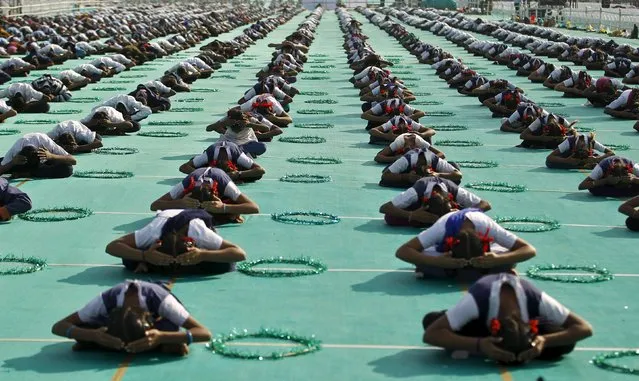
450 242
495 327
534 326
486 241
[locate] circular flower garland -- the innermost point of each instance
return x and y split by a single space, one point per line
618 147
496 186
316 72
170 122
314 93
290 218
410 79
303 139
133 76
440 113
308 344
314 112
584 129
37 121
599 274
104 174
321 101
163 134
459 143
206 90
116 151
422 94
411 84
117 82
140 68
601 361
314 160
550 104
39 215
242 65
314 125
402 72
247 268
190 100
427 103
64 112
450 127
476 164
538 225
226 76
316 78
9 131
36 264
323 67
109 88
305 178
228 71
186 109
84 100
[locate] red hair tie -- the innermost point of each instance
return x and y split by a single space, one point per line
495 327
214 189
450 242
486 241
188 240
453 203
534 326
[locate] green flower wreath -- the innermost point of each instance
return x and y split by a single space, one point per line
116 151
225 76
410 79
118 82
170 123
133 76
440 113
37 121
316 72
103 174
314 93
9 131
321 101
476 164
306 344
247 268
314 112
528 224
618 147
140 68
422 94
320 218
35 264
205 90
303 139
598 274
44 214
496 186
64 112
402 72
459 143
109 88
450 127
323 67
190 100
584 129
186 109
305 178
242 65
550 104
315 78
228 71
427 103
163 134
601 361
312 125
314 160
84 100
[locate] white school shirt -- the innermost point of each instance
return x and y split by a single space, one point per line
597 173
565 145
400 142
203 237
80 132
170 308
198 63
621 101
113 115
388 126
38 140
17 63
466 310
4 107
159 86
231 190
402 164
118 67
70 75
572 80
464 198
28 92
89 68
248 105
276 92
432 236
131 104
536 125
120 58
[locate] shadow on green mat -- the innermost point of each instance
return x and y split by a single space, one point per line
405 284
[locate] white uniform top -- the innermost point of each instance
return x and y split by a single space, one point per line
597 173
113 115
38 140
203 237
70 75
400 142
118 67
621 101
4 107
89 68
28 92
80 132
402 164
131 104
159 86
18 63
248 105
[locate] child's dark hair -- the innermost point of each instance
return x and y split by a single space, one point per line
33 161
469 246
202 193
129 324
515 334
438 204
66 141
632 224
175 243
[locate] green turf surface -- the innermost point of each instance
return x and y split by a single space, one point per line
367 308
